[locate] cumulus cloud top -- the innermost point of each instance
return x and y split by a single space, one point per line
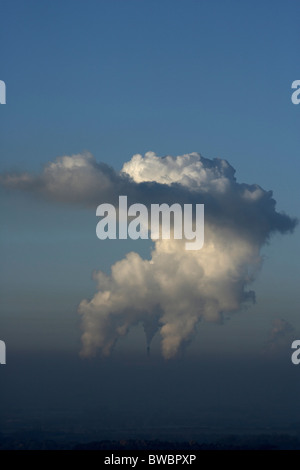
175 289
191 178
190 170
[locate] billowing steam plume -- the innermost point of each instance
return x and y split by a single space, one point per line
175 289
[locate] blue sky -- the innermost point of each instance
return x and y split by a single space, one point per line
123 77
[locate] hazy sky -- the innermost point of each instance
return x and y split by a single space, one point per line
117 78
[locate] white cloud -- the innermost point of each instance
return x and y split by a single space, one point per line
190 170
170 293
